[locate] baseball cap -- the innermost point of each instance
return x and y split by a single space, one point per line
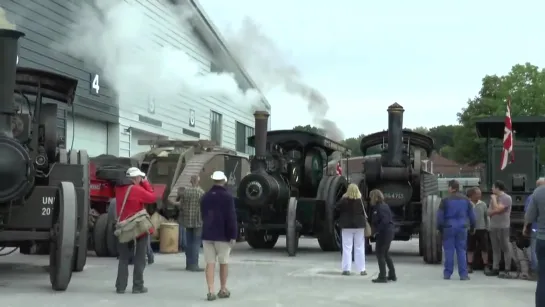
218 175
134 172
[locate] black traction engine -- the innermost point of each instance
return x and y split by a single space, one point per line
44 189
397 172
286 192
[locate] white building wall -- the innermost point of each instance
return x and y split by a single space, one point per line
171 117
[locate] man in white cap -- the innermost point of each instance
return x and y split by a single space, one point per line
219 232
128 203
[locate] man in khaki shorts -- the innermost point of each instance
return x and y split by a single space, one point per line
219 232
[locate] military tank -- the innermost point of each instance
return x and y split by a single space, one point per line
44 191
287 192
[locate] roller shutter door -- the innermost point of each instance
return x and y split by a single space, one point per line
90 135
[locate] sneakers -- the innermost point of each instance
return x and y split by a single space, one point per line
363 273
464 278
470 268
345 273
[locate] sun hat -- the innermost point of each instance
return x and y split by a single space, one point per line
134 172
218 175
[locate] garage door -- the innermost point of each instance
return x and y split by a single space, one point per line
140 135
89 134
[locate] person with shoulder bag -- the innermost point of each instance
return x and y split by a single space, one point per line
353 223
133 229
384 232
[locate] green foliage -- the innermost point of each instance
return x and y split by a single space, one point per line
354 145
526 86
310 128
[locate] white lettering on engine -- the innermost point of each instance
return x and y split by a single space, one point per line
48 200
394 195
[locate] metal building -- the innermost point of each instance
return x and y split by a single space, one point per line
101 125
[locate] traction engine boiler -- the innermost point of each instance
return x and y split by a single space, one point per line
397 172
287 192
44 189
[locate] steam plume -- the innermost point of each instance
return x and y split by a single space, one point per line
120 40
265 63
4 23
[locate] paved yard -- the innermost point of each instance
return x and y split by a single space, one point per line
263 279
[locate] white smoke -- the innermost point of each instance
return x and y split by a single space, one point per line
267 65
118 38
4 23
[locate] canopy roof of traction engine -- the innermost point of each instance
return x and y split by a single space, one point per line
409 137
524 126
53 86
293 139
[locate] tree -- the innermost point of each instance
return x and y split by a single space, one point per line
422 130
354 145
526 86
309 128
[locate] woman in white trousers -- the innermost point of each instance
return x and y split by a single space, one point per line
352 221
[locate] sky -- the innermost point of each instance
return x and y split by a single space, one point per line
429 56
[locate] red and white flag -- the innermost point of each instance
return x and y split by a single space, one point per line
339 169
507 154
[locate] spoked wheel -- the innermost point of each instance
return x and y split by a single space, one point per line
63 237
260 239
82 158
292 236
330 237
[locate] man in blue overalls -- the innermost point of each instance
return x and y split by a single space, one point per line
454 212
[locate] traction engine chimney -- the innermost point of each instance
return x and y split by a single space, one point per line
260 140
395 135
8 65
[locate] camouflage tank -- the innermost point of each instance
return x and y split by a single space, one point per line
170 164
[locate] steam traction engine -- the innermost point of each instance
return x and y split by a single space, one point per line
286 192
407 189
44 190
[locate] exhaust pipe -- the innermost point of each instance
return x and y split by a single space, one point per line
8 65
260 140
395 135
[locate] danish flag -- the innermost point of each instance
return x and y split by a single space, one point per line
339 169
507 154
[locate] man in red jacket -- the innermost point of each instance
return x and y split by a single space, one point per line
140 194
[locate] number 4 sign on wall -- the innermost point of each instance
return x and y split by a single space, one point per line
95 84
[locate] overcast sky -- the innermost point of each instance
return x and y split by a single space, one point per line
429 56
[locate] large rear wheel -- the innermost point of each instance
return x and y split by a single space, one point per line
63 237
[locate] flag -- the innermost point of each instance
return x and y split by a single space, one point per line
507 154
339 169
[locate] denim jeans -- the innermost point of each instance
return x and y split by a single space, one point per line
182 239
533 256
540 289
193 239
